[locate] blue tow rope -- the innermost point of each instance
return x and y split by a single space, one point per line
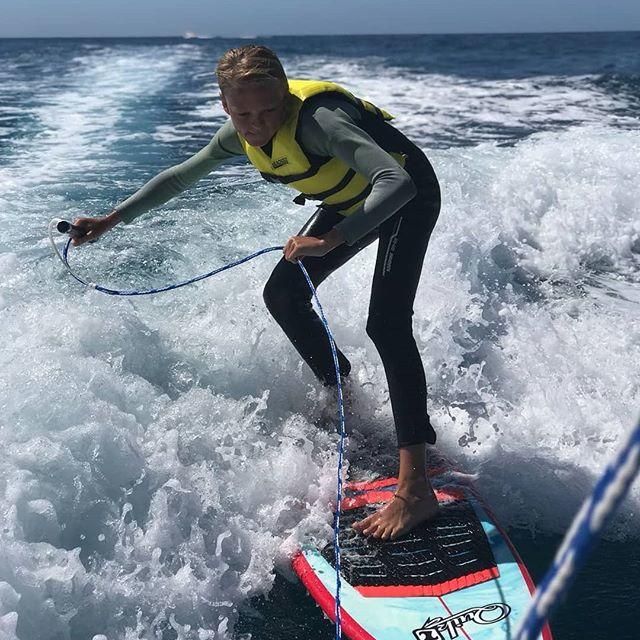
336 520
64 257
585 530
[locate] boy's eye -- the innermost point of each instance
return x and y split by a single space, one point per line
246 114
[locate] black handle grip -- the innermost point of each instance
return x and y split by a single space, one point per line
66 227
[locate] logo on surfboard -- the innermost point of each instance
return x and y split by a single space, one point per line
436 628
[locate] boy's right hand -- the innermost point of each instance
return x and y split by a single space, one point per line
93 228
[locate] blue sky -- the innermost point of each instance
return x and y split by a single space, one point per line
50 18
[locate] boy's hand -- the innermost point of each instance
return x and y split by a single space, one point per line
92 228
300 246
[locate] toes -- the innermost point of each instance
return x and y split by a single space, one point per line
365 522
375 524
371 530
396 532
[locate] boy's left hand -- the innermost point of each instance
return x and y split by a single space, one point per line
300 246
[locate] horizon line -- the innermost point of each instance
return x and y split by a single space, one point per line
185 35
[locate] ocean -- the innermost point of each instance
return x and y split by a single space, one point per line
164 456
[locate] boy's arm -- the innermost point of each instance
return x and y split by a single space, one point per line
170 182
331 129
167 184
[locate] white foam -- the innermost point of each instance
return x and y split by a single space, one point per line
535 373
439 109
73 120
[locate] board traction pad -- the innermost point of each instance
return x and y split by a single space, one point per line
442 555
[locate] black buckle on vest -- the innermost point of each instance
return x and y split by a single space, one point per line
300 199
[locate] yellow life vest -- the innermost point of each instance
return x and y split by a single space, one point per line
329 180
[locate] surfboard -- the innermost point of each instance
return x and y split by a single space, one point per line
457 576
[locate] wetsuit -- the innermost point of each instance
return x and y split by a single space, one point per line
401 211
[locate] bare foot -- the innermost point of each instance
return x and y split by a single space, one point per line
399 516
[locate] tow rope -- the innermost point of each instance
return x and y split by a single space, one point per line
62 226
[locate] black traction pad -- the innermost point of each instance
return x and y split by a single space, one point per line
443 555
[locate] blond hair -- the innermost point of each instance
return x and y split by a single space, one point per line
251 63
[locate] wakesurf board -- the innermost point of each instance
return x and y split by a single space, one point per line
456 576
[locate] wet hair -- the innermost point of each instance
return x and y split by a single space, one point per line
251 63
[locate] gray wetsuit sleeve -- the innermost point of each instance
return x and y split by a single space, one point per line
331 129
170 182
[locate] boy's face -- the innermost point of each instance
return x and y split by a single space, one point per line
257 110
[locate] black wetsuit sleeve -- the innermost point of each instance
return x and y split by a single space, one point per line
331 128
170 182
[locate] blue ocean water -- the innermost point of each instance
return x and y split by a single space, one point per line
165 456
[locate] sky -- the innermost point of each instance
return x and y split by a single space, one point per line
230 18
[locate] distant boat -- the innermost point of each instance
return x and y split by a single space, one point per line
190 35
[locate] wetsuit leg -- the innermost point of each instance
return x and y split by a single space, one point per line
401 251
288 298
